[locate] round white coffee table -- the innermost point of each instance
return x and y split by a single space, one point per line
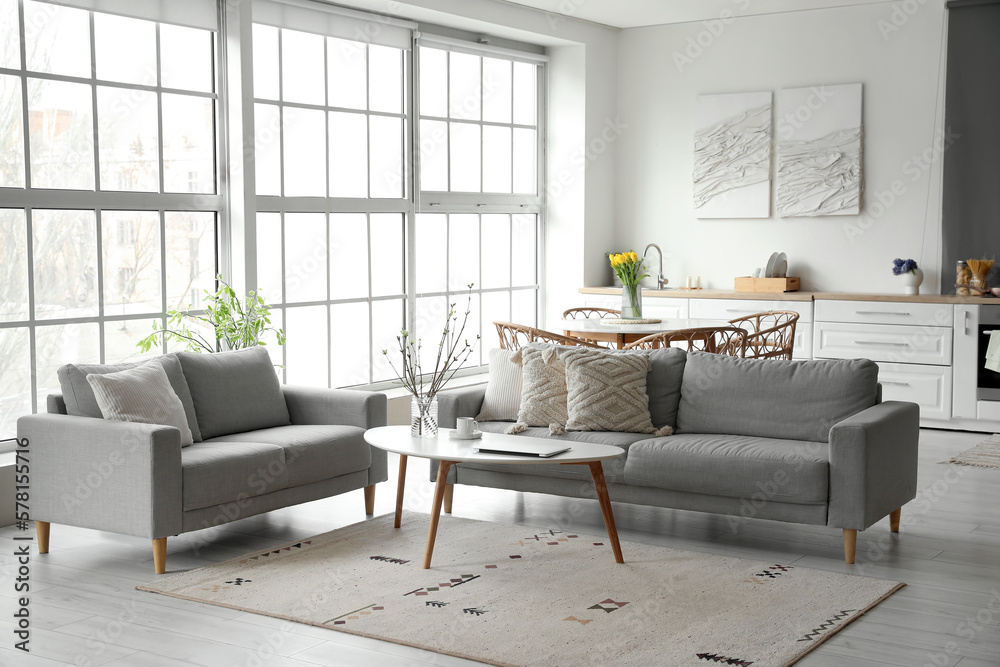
397 439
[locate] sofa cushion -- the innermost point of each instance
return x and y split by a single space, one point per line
315 452
234 391
663 384
770 398
213 473
142 394
790 471
79 398
543 387
613 468
607 392
503 392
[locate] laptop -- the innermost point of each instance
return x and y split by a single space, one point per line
541 450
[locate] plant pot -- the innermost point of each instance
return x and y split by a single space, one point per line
424 417
631 302
911 281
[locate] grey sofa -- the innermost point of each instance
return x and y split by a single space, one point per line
801 441
258 446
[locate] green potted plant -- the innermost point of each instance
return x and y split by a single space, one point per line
237 323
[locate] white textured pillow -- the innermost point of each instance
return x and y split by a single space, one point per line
543 390
503 393
607 392
143 395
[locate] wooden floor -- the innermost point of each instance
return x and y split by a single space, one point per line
85 611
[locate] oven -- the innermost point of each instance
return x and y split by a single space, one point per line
988 385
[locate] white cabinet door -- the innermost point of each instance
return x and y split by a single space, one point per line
730 309
883 342
966 361
666 309
927 386
885 312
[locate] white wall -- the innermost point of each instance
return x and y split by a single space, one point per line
896 56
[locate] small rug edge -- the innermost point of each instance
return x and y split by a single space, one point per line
853 618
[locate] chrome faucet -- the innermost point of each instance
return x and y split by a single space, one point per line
660 280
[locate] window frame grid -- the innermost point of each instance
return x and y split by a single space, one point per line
28 198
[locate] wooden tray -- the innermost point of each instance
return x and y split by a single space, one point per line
772 285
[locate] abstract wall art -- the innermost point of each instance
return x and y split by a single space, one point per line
819 151
732 156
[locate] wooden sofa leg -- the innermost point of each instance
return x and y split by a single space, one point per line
42 528
449 493
370 499
894 520
160 555
850 544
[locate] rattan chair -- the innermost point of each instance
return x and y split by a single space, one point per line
731 341
585 313
770 335
513 336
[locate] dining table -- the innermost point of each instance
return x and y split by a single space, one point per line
622 334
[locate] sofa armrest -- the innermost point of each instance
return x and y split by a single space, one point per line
873 464
106 475
463 402
347 407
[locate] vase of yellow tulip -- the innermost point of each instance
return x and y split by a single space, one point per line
629 269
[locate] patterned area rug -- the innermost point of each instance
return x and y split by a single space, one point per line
984 455
514 595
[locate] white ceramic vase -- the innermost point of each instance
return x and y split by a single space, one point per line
911 281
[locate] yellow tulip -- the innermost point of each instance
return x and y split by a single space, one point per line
635 257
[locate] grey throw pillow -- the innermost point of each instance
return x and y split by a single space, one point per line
503 393
143 395
607 391
79 396
235 391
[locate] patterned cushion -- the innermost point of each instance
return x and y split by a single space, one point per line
543 387
503 393
607 392
142 394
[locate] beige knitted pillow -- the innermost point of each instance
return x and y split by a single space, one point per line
543 390
607 392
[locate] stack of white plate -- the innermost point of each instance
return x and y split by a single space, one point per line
777 266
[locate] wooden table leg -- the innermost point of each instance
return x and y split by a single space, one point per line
442 482
400 486
621 341
597 472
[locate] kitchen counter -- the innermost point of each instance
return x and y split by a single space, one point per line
797 296
705 294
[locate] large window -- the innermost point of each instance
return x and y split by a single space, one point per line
108 188
478 203
387 177
349 250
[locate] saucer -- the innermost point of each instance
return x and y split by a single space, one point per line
475 435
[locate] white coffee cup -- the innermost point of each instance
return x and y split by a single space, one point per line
466 426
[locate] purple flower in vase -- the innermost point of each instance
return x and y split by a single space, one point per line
901 266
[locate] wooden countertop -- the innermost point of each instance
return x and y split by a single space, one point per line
798 296
705 294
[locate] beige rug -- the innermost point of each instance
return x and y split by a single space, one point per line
514 595
984 455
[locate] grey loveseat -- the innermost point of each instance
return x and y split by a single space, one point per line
800 441
258 446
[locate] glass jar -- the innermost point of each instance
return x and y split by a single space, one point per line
423 417
963 278
631 302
